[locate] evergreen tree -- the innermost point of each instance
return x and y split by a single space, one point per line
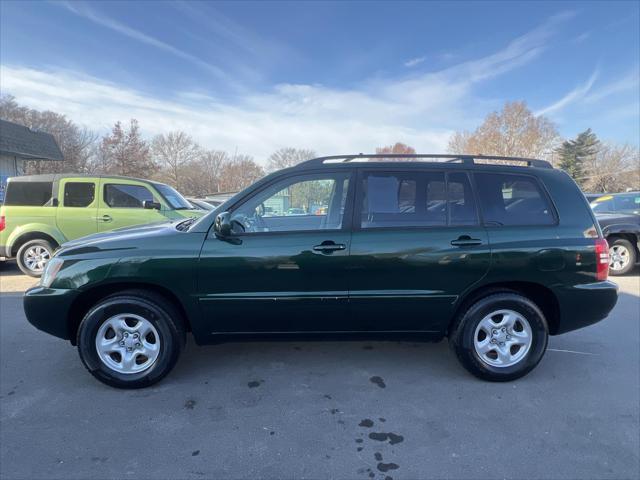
574 155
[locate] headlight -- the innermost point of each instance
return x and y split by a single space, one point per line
50 271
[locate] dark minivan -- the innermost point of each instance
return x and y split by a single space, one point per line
495 253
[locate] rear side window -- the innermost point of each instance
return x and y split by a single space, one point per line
126 196
508 199
79 194
29 194
627 203
416 199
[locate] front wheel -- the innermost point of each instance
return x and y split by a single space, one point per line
622 256
131 339
500 337
33 256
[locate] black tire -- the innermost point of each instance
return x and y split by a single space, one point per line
162 314
462 335
626 244
23 251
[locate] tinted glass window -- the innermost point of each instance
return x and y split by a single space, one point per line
32 194
174 198
462 206
417 199
126 196
627 202
605 205
295 204
79 194
508 199
403 199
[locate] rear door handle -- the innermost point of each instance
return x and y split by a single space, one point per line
328 247
105 218
466 241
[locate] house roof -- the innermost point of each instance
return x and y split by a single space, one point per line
27 144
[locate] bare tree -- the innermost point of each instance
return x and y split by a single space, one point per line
203 176
239 173
174 153
126 153
514 131
614 168
288 157
76 143
396 148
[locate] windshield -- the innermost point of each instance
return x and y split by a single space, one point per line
175 199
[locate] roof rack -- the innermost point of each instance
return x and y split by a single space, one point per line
446 157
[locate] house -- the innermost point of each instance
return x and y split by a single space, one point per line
19 144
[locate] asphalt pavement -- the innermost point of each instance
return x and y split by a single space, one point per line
316 410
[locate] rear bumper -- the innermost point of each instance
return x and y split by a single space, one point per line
585 304
47 309
4 251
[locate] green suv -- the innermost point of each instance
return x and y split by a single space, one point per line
40 212
495 257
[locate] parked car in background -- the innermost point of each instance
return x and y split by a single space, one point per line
628 202
495 257
201 204
41 212
592 196
623 234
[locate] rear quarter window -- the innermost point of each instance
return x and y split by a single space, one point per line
511 199
29 194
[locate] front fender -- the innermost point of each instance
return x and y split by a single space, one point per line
28 228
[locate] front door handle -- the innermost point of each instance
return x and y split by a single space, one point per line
466 241
329 246
105 218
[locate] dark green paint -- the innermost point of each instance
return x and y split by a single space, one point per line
386 280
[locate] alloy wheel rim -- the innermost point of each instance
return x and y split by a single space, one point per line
619 257
128 343
36 258
503 338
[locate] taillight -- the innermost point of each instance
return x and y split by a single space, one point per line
602 259
3 223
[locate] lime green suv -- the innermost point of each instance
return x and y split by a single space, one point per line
40 212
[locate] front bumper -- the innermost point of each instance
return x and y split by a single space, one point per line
585 304
48 309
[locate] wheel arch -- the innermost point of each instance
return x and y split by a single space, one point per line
25 237
632 237
88 298
542 296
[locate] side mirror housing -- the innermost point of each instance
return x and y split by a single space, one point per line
150 205
222 225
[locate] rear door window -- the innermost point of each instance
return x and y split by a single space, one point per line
416 199
29 194
508 199
126 196
79 194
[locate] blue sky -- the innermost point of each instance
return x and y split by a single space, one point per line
336 77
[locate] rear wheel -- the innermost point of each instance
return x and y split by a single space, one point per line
500 337
131 340
622 256
33 256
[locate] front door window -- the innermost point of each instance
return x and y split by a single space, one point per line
304 203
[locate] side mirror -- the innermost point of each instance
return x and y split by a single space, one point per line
150 205
222 225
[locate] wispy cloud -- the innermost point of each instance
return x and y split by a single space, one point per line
414 61
581 38
88 13
578 93
628 83
420 110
